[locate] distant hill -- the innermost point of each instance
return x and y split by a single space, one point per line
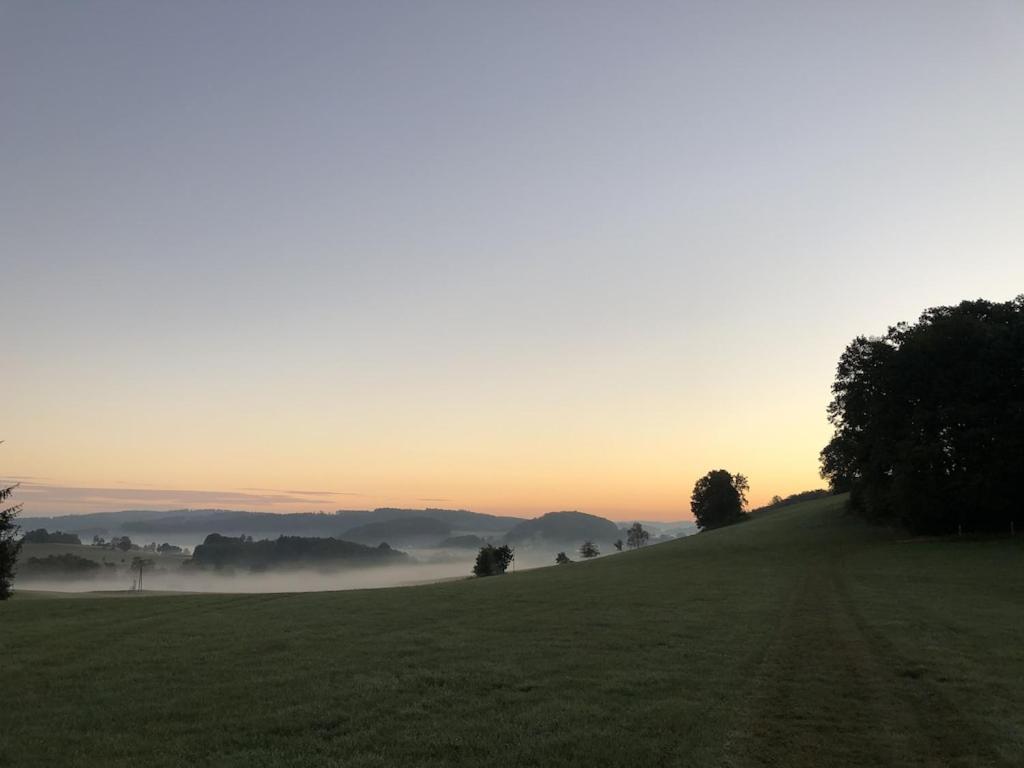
188 526
401 531
564 528
466 541
458 519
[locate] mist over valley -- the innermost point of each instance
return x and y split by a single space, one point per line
235 551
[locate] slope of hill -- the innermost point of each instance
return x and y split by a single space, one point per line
400 531
564 529
458 519
799 638
99 554
673 528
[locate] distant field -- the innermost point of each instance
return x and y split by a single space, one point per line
100 554
800 638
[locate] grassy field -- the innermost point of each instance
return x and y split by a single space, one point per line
101 554
799 638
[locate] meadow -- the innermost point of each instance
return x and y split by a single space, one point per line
801 637
101 554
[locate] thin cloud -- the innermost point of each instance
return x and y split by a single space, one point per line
44 498
307 493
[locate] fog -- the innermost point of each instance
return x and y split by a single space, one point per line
429 566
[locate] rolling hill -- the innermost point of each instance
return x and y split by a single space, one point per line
799 638
399 532
191 526
564 529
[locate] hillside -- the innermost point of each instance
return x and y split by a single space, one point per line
558 529
400 531
99 554
798 638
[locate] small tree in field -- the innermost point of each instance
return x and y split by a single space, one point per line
589 549
618 545
562 559
719 498
9 543
636 536
493 561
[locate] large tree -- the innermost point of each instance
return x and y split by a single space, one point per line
9 542
929 420
719 498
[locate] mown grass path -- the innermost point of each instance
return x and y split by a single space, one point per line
799 638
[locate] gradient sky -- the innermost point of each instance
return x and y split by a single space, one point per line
514 257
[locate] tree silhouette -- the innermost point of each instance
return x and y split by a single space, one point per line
636 536
718 499
589 549
929 420
493 561
562 559
9 543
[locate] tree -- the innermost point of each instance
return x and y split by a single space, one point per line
618 545
776 500
929 420
719 498
493 561
589 549
562 559
636 536
122 542
9 543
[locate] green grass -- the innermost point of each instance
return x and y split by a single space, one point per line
800 638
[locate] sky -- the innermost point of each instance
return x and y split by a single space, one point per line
511 257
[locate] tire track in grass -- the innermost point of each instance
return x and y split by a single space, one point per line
826 693
944 729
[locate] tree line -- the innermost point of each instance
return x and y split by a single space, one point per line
929 420
219 551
